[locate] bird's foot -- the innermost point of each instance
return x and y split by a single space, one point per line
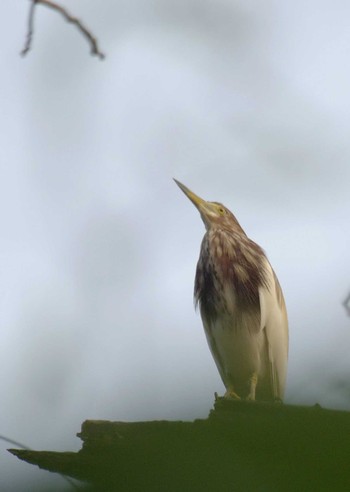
249 398
231 395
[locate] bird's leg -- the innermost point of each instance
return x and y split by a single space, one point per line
253 380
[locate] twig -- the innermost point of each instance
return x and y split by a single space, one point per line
68 17
30 28
346 304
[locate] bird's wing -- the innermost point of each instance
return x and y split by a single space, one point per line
274 324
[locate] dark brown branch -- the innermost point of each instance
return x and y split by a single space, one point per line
30 28
214 453
26 448
68 17
346 304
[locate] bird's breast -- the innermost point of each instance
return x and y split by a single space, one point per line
229 273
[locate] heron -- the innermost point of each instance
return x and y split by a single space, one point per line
242 307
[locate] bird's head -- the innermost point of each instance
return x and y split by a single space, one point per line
213 214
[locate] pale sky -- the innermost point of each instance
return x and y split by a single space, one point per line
246 103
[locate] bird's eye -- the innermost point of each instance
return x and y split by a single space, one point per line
221 211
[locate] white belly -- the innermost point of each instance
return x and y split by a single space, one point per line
236 351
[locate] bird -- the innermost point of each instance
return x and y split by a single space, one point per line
242 307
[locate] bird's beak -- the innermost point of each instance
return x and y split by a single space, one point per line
196 200
202 206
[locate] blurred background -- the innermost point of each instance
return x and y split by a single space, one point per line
246 103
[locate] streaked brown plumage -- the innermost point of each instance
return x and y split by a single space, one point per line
241 305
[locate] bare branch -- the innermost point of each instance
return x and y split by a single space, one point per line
68 17
30 28
346 304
